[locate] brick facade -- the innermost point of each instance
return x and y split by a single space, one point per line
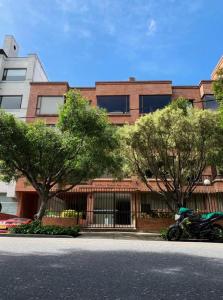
25 192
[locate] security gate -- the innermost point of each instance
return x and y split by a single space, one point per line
112 209
95 208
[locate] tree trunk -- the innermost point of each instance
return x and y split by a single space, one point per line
42 209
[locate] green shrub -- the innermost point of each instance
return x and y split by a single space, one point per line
37 228
51 213
70 213
163 233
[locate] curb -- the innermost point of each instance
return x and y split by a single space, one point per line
37 235
95 235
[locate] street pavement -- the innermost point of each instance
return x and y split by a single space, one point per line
116 269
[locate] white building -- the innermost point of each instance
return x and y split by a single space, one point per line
16 73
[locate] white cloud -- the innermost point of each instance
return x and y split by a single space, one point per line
151 28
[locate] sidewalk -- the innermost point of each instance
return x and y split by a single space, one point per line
121 235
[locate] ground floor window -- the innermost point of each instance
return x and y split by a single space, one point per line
8 204
151 202
67 204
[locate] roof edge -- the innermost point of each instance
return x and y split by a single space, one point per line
134 82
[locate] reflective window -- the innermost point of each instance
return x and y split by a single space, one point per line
10 102
150 103
210 102
49 105
14 74
8 205
114 104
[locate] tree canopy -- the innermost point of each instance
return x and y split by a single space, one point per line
218 92
82 147
172 146
218 87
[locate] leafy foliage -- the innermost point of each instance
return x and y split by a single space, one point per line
163 233
70 213
218 87
54 160
36 228
175 144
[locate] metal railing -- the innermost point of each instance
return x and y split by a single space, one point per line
109 208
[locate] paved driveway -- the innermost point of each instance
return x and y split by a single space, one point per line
46 268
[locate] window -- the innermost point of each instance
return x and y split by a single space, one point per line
153 202
14 74
114 104
10 102
150 103
49 105
190 103
9 205
210 102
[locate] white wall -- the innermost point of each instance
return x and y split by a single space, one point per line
12 88
35 72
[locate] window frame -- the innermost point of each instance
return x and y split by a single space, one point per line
38 105
127 105
1 96
146 95
5 71
205 101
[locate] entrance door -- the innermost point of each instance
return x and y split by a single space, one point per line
112 209
123 209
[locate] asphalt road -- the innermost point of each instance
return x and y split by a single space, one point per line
82 268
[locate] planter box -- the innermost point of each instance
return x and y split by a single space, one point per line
64 222
153 224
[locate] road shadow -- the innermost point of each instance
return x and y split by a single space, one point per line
109 275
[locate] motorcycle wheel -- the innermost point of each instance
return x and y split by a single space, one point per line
217 233
174 233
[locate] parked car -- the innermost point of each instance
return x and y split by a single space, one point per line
13 222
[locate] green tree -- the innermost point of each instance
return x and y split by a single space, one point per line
218 92
218 87
54 160
174 146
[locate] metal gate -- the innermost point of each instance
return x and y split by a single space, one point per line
95 208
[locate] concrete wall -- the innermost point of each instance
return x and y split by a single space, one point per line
35 72
13 88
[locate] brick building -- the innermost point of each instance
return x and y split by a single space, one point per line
104 202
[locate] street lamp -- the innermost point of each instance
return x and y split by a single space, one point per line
207 182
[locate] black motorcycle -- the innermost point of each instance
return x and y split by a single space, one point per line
190 225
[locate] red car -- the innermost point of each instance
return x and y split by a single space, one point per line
6 224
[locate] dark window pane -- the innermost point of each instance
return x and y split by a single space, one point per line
10 102
114 104
14 74
150 103
210 102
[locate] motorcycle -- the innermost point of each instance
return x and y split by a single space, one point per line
191 225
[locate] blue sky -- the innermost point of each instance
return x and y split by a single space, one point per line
83 41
